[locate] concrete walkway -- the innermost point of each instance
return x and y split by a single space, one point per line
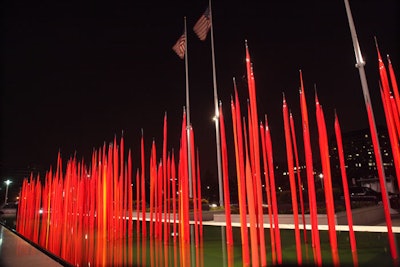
16 252
395 220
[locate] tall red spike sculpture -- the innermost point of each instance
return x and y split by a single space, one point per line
137 186
394 110
346 191
381 176
396 119
165 178
38 192
268 192
393 137
256 168
153 180
173 176
229 237
298 171
168 194
116 190
268 144
142 187
184 235
184 184
391 115
45 204
252 208
310 176
289 155
124 187
194 189
385 200
159 201
237 136
394 85
66 213
326 170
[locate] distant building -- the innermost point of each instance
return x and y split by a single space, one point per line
360 157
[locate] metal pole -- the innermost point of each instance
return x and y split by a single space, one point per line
6 197
360 63
223 244
8 182
188 126
216 118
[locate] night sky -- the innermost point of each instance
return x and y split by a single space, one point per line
75 74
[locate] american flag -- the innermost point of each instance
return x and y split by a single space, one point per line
203 25
179 46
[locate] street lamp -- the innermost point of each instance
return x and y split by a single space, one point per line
321 177
8 182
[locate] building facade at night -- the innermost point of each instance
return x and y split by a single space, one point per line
360 160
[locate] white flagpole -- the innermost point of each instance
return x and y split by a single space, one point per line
360 66
188 125
216 117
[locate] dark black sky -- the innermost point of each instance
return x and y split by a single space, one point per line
74 73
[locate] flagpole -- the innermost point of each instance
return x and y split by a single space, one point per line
188 125
381 172
360 63
188 128
216 117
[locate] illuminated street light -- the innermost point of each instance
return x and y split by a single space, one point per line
8 182
321 177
